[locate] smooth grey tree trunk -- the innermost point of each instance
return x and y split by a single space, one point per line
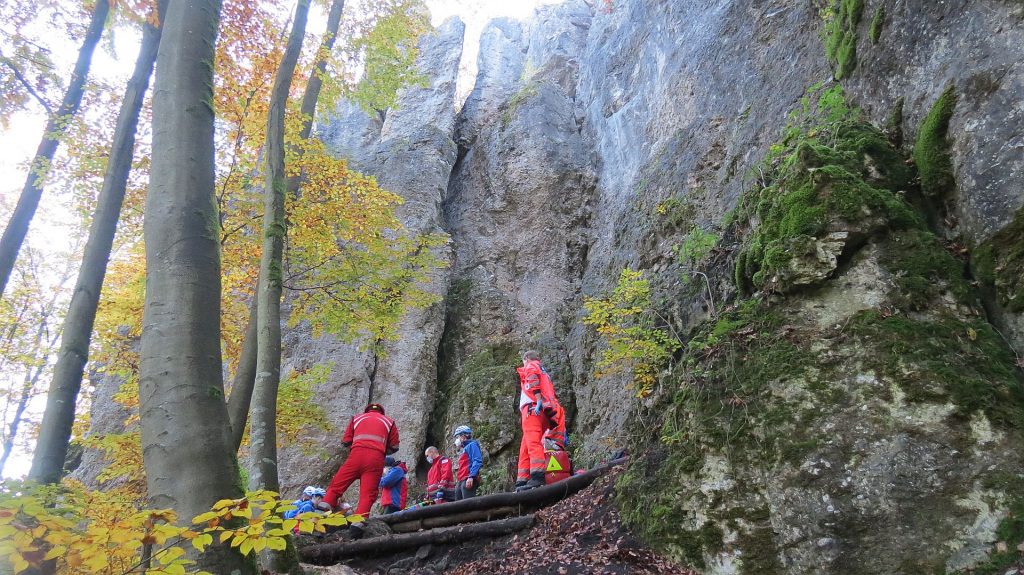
245 375
263 412
55 429
186 437
17 227
315 84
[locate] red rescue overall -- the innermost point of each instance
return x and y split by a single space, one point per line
535 385
371 436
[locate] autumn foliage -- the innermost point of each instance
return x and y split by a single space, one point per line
72 530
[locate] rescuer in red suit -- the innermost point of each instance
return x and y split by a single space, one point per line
372 436
536 393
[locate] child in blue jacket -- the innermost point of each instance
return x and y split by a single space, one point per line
394 485
311 500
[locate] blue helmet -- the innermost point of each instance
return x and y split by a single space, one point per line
463 430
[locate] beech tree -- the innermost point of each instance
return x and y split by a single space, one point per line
245 375
55 430
185 431
17 227
263 418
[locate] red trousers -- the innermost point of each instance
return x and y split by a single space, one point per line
366 465
531 449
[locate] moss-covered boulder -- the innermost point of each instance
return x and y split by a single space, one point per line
866 421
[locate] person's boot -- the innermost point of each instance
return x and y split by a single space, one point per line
520 485
536 480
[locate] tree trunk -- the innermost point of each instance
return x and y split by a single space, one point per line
55 430
245 376
263 417
17 227
186 438
331 553
312 94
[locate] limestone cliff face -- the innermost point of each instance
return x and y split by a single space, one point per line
411 153
598 140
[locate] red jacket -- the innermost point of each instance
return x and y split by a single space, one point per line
535 384
439 476
372 430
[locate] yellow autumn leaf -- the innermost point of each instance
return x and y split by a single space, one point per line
246 547
204 517
56 551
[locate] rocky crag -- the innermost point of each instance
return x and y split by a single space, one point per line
847 395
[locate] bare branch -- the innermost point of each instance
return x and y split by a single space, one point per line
25 83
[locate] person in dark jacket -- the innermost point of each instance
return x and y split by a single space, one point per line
471 460
394 485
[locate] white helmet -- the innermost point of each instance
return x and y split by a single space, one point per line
463 430
309 491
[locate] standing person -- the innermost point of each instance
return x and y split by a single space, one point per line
440 481
371 435
394 485
470 462
536 393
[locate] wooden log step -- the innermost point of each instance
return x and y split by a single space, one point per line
532 499
330 553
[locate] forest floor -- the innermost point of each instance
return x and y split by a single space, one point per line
580 535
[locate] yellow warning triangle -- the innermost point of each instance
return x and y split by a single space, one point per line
553 464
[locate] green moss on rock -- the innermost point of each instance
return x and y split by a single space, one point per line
842 179
1011 528
894 124
877 22
923 269
482 396
841 35
999 264
931 151
948 359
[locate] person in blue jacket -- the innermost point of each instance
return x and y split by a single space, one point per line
394 485
311 500
471 459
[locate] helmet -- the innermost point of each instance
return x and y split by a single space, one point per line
320 492
390 461
375 407
309 491
463 430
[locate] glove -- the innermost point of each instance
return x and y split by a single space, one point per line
469 483
537 407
